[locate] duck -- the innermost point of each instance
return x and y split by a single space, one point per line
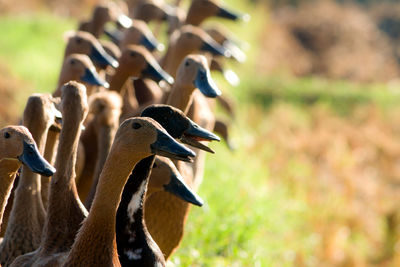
51 150
17 148
106 109
103 13
179 127
135 140
135 61
24 228
193 73
78 67
200 10
80 42
65 211
187 40
151 10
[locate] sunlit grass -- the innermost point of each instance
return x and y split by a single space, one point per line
256 213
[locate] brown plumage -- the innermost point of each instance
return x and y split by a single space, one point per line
25 224
166 215
106 109
65 211
136 138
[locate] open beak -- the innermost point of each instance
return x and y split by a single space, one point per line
124 21
34 161
92 77
194 134
166 146
215 48
151 43
206 84
155 72
231 15
179 188
99 56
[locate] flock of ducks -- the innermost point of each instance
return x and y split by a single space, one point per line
121 186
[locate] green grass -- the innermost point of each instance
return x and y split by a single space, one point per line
32 47
250 218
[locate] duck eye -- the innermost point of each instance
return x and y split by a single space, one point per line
136 125
187 63
72 62
7 135
79 40
133 54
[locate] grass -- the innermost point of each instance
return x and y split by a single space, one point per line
258 210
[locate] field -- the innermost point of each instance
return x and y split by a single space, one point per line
314 179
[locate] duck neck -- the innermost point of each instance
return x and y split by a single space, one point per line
134 243
99 227
181 96
51 144
105 136
119 78
65 211
8 171
173 58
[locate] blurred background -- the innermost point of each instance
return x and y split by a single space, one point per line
315 176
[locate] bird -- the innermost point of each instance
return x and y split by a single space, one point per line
18 147
136 139
65 212
24 227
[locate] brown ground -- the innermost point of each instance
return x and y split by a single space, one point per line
8 86
329 39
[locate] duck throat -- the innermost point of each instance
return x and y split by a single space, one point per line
134 243
181 96
8 171
119 78
99 227
65 210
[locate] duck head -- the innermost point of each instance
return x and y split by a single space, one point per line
16 142
222 37
192 39
139 62
85 43
106 107
140 34
179 126
145 137
41 113
153 10
194 72
200 10
166 177
80 68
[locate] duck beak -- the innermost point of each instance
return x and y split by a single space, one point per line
124 21
235 51
215 48
231 77
232 15
195 133
151 43
92 77
34 161
166 146
99 56
114 35
179 188
155 72
206 84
